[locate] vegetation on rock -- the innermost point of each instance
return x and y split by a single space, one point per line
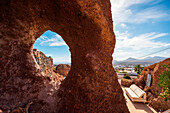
54 68
165 83
126 76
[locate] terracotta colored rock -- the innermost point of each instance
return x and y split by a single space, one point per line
147 89
22 110
63 69
140 82
58 77
155 70
87 28
159 104
126 82
149 97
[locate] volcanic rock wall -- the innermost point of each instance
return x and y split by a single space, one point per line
155 70
45 63
87 28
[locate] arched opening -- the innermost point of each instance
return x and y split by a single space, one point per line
53 45
52 55
91 85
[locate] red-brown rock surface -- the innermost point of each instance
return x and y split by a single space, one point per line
155 70
59 78
140 81
126 82
63 69
45 63
87 28
159 104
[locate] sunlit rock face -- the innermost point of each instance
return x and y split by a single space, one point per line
152 92
45 63
86 26
63 69
155 70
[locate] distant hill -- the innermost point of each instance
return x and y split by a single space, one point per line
133 61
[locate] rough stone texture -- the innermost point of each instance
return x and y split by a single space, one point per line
155 70
63 69
59 78
126 82
45 63
147 89
87 28
159 104
140 81
46 66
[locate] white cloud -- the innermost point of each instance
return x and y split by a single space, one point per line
123 13
61 59
152 13
137 46
142 41
123 25
124 54
132 12
42 38
56 40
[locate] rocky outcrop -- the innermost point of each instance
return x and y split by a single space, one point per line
63 69
59 78
159 104
126 82
46 66
140 81
87 28
155 70
45 63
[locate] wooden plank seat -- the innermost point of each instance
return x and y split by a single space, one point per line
136 94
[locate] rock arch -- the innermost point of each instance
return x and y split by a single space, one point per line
86 26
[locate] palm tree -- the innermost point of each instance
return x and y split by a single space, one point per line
138 69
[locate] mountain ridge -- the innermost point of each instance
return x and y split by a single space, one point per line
134 61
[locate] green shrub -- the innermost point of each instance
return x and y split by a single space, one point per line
165 83
117 71
126 76
138 69
54 68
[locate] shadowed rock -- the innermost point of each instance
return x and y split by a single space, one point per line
86 26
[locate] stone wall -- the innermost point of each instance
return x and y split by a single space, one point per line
45 63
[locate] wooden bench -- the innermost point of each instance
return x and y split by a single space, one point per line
136 94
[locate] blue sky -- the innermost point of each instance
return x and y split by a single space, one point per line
53 45
141 27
